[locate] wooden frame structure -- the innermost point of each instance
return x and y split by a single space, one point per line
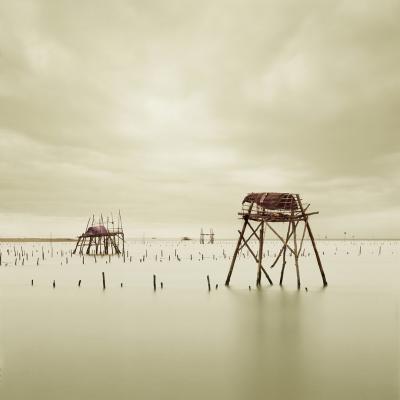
102 238
259 211
204 235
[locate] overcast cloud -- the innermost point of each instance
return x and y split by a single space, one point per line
173 110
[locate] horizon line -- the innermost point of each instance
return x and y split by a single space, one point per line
185 239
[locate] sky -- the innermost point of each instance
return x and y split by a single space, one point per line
171 111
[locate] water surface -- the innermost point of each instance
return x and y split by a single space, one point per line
184 342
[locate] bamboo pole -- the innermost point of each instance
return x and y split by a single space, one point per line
296 255
104 280
313 242
256 259
260 253
284 255
246 221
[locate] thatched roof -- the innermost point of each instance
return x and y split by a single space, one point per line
273 201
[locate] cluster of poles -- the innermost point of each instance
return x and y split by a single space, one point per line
40 254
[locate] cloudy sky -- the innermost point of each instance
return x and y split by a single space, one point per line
173 110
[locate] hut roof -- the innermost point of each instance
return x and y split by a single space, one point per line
273 201
97 230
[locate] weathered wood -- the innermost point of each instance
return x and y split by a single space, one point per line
260 253
249 238
256 259
273 207
280 237
83 241
255 230
325 283
277 257
77 244
296 255
88 248
246 221
288 234
302 238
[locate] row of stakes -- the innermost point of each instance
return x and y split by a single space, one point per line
24 255
143 258
154 283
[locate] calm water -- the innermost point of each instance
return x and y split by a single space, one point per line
183 342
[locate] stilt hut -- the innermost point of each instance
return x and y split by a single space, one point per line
263 210
204 235
101 237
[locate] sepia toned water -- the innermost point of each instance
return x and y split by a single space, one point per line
184 342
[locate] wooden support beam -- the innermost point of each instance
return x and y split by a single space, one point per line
82 245
260 253
77 244
249 238
277 257
280 237
255 230
245 223
97 243
256 259
88 248
288 234
296 256
241 233
246 241
284 246
325 283
117 251
302 238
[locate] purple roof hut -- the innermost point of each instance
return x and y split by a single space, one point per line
101 239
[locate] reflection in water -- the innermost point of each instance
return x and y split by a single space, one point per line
315 345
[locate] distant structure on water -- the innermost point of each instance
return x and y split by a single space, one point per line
101 237
260 210
203 236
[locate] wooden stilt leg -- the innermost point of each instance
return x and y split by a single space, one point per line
88 248
77 244
260 254
310 234
83 241
114 244
97 240
277 257
228 278
321 270
296 255
245 243
284 255
246 221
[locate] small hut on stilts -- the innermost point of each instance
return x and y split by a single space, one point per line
204 235
260 211
101 238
